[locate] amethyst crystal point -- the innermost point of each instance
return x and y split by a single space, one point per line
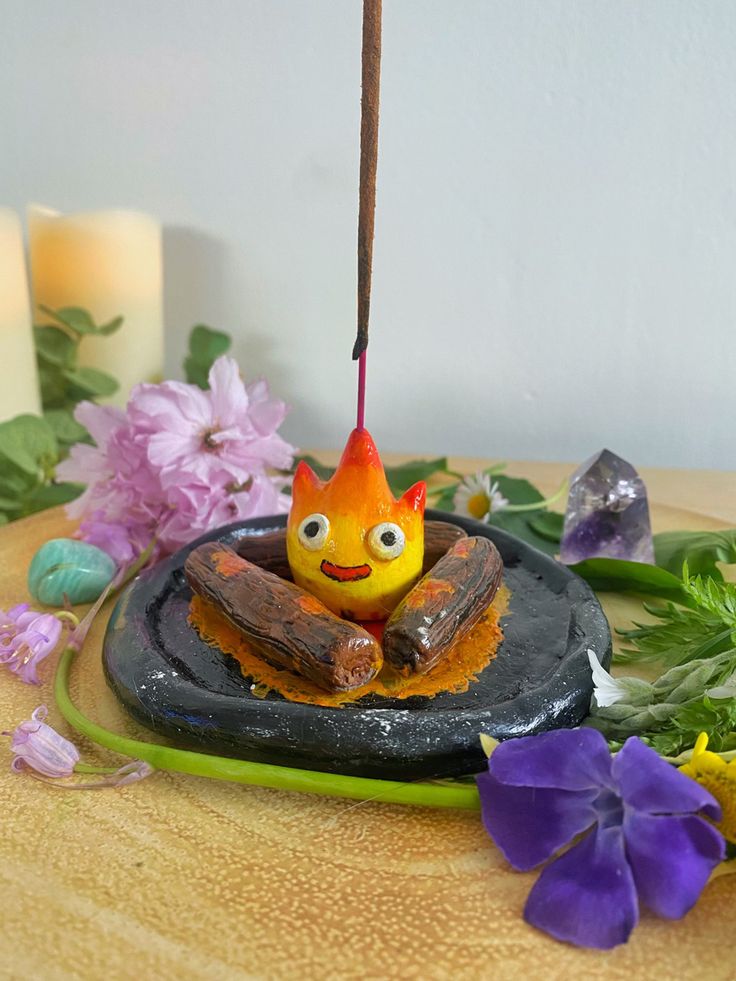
607 513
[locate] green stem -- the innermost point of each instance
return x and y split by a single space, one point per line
89 768
687 755
463 796
538 505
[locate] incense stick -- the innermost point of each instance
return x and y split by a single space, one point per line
371 77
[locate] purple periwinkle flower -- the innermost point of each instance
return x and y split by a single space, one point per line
26 638
643 839
39 747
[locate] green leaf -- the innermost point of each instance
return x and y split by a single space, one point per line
51 495
547 524
55 347
15 483
29 443
618 576
53 385
700 549
205 346
445 499
75 318
10 504
402 477
66 428
89 382
520 526
322 471
517 490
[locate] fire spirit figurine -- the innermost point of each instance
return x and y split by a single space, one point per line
349 541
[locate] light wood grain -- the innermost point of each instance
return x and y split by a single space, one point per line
179 877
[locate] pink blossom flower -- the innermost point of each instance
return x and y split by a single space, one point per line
178 462
26 638
39 747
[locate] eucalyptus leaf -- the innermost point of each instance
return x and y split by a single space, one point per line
86 382
54 346
619 576
700 549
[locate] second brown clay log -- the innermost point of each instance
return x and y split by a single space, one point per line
443 606
284 624
266 551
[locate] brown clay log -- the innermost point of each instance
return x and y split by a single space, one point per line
439 537
284 624
443 606
269 551
266 551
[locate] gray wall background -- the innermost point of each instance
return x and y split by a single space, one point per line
556 225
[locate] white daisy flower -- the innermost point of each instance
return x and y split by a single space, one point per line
607 690
478 498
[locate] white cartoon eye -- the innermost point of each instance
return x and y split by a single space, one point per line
313 531
386 540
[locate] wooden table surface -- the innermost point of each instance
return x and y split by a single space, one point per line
180 877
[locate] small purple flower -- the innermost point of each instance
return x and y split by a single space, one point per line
39 747
643 840
26 638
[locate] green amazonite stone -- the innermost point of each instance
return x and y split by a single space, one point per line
64 565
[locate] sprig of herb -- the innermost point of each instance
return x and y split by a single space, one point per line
682 634
696 647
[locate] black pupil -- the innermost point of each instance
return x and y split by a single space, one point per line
388 538
312 529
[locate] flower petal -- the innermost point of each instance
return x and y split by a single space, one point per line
227 391
587 896
566 759
671 858
648 783
530 824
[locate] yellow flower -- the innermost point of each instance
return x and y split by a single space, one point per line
719 778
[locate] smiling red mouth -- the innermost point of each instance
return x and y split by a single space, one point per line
345 573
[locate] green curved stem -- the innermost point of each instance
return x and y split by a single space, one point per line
538 505
463 796
89 768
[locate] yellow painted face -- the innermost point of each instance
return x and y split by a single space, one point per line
349 541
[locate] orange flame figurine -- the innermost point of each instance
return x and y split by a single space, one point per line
349 541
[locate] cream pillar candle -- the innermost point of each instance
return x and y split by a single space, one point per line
19 389
110 263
